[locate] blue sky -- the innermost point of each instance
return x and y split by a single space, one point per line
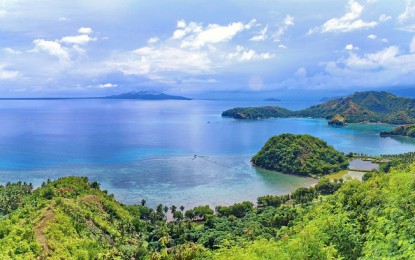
205 48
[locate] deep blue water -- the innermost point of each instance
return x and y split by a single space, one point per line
145 149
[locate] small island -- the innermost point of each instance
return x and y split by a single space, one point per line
300 154
337 120
272 99
404 130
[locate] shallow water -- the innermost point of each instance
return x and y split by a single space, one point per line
145 149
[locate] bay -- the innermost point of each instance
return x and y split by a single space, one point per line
146 149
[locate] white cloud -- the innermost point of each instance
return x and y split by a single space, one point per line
195 36
78 39
282 46
384 18
262 36
350 21
181 24
156 62
153 40
350 47
385 40
85 30
372 36
107 85
409 12
6 74
383 58
287 22
52 48
62 19
11 51
242 54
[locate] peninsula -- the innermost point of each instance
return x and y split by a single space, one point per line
360 107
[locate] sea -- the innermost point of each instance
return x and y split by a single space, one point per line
170 152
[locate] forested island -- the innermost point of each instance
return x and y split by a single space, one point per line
360 107
404 130
300 154
73 218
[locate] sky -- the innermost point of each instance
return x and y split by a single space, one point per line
206 49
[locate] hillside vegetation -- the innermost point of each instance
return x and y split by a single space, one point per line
71 218
405 130
368 106
300 154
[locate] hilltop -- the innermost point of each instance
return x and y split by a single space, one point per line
360 107
300 154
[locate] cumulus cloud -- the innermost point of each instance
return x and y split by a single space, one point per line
157 62
282 46
153 40
350 21
81 39
107 85
408 13
372 36
7 74
52 48
195 36
85 30
243 54
350 47
287 22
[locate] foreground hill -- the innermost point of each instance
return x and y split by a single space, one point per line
71 218
300 154
368 106
404 130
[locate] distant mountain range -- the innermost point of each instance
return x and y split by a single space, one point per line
368 106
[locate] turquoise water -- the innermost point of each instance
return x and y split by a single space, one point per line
145 149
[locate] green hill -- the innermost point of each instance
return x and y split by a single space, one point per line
71 218
257 112
300 154
404 130
368 106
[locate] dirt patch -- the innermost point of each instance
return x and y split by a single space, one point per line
40 237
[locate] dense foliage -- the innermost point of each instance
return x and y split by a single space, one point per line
71 218
404 130
257 112
368 106
300 154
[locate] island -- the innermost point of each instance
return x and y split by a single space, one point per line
360 107
404 130
146 96
300 154
272 99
